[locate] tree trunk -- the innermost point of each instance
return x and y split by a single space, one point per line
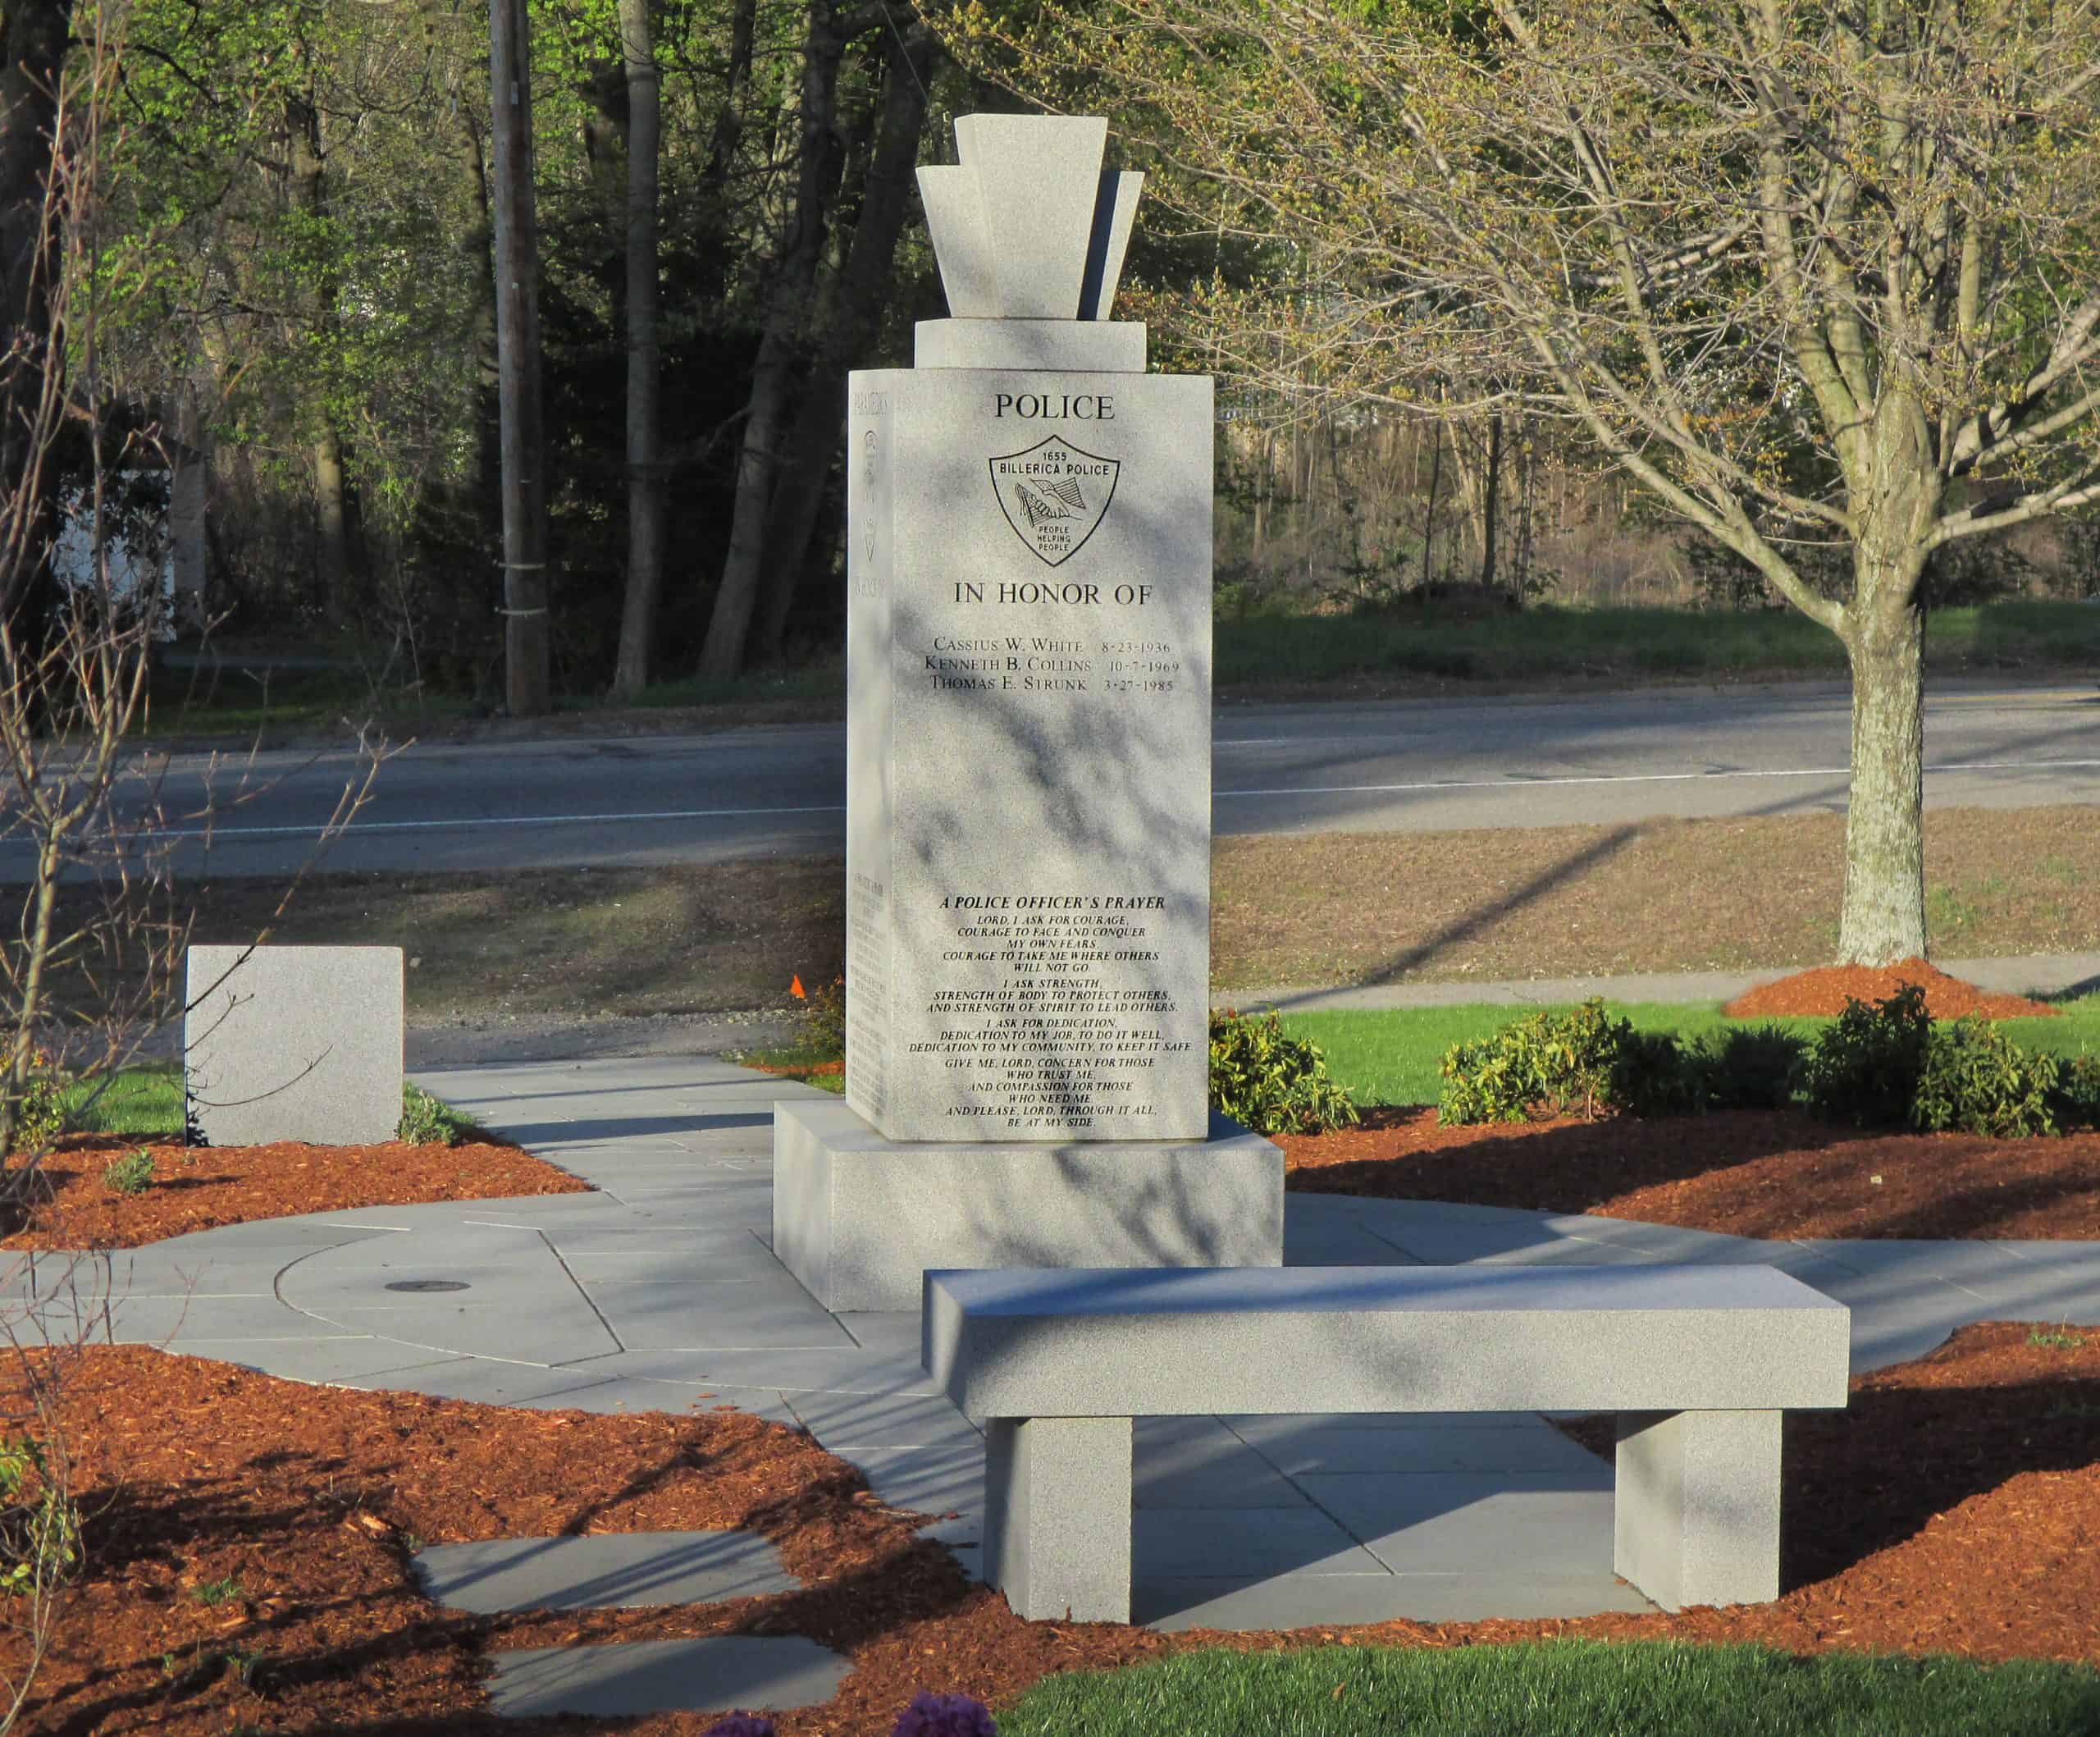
863 296
527 642
1884 910
772 376
1429 514
32 50
645 475
1490 501
488 372
336 565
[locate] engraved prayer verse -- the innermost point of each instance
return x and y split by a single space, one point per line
1047 1019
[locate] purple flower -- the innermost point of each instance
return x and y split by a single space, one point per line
741 1725
930 1715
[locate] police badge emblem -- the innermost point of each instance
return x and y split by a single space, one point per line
1053 494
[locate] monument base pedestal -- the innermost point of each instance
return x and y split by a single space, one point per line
859 1218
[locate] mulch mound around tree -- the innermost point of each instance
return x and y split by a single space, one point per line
247 1546
199 1188
1748 1172
1825 990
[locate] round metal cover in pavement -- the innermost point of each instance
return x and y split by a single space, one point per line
420 1285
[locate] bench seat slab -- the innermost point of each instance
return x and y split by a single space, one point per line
1695 1511
1058 1520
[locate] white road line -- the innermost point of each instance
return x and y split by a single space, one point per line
363 827
1645 778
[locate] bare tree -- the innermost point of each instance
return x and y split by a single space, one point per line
1817 276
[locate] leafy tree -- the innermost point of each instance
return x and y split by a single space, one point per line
1820 274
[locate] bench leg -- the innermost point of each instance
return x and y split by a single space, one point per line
1696 1517
1057 1516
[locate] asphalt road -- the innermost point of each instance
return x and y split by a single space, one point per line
1411 766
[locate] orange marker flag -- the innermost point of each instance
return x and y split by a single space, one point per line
796 989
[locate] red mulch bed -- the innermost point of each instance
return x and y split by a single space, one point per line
1751 1173
197 1474
796 1070
1825 990
198 1188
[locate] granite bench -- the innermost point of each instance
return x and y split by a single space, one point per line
1698 1362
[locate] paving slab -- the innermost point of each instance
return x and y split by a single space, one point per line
722 1672
841 1422
610 1570
1407 1448
1196 1462
1245 1541
345 1360
746 1314
1555 1523
1335 1601
926 1480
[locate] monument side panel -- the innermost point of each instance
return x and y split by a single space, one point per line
870 572
1051 709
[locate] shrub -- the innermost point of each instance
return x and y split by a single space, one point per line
1271 1081
824 1021
741 1724
1865 1066
2077 1102
1583 1062
1747 1068
40 1111
1651 1075
428 1122
132 1173
1977 1080
39 1524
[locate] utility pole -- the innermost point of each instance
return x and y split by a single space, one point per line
527 687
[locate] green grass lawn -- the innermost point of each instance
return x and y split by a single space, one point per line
1392 1056
1557 643
1647 1690
145 1103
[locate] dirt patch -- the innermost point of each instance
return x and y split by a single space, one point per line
1825 990
199 1188
248 1543
1746 1172
498 947
1745 895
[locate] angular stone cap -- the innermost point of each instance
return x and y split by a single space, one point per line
1027 225
1144 1342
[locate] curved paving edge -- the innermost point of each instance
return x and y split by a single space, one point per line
660 1292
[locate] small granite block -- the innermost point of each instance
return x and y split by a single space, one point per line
1057 1517
858 1219
293 1043
1695 1518
1291 1339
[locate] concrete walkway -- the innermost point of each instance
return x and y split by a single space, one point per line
2038 974
660 1292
